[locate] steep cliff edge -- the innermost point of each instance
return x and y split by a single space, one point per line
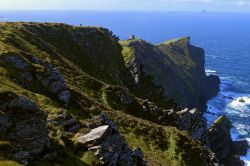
75 86
176 66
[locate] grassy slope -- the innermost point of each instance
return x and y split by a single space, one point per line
88 81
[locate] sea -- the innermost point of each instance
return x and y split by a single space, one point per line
225 37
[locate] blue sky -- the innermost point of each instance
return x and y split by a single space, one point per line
165 5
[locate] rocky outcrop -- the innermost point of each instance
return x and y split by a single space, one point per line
52 79
24 125
193 122
221 143
17 62
94 136
49 76
108 144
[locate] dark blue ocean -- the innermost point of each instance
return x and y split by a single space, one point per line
225 38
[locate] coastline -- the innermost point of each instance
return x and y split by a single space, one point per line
218 106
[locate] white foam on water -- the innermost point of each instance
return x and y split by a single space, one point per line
240 107
240 130
211 56
240 104
208 71
234 105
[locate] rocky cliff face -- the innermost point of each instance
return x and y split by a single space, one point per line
176 66
75 96
22 124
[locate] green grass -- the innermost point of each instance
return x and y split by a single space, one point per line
96 76
182 40
90 159
9 163
161 145
5 148
127 53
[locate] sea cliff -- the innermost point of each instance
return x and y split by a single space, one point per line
78 96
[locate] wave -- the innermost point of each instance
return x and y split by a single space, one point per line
236 105
240 104
208 71
240 131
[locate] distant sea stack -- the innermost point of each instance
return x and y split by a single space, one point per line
76 95
226 150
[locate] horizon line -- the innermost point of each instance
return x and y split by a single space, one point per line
132 10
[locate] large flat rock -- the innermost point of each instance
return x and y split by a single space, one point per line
93 136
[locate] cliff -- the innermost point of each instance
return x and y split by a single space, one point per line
76 96
176 66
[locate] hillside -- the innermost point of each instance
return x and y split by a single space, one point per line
68 96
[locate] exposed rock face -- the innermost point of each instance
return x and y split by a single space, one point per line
213 86
193 122
221 143
109 145
53 80
50 77
24 124
175 66
17 62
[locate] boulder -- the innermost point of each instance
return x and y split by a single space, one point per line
94 136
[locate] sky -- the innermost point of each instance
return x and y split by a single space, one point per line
161 5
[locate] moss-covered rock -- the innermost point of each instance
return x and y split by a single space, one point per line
24 125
